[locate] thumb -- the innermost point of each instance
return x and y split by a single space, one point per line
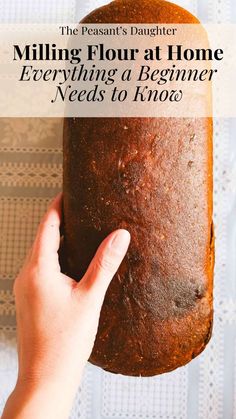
105 264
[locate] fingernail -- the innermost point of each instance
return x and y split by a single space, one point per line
121 240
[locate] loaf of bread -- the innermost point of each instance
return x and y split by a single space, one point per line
153 177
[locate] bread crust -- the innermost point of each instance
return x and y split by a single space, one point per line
152 176
140 11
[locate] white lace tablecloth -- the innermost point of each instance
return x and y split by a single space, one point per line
30 174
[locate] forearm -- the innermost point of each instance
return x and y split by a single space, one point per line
51 400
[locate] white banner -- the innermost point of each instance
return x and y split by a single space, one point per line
117 70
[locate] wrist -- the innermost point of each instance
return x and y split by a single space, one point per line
39 398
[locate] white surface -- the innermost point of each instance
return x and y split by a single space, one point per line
206 388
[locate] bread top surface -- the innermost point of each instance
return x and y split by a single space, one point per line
140 11
153 177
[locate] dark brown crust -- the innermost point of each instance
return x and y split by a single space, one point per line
140 11
152 176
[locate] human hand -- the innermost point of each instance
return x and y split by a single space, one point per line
57 318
